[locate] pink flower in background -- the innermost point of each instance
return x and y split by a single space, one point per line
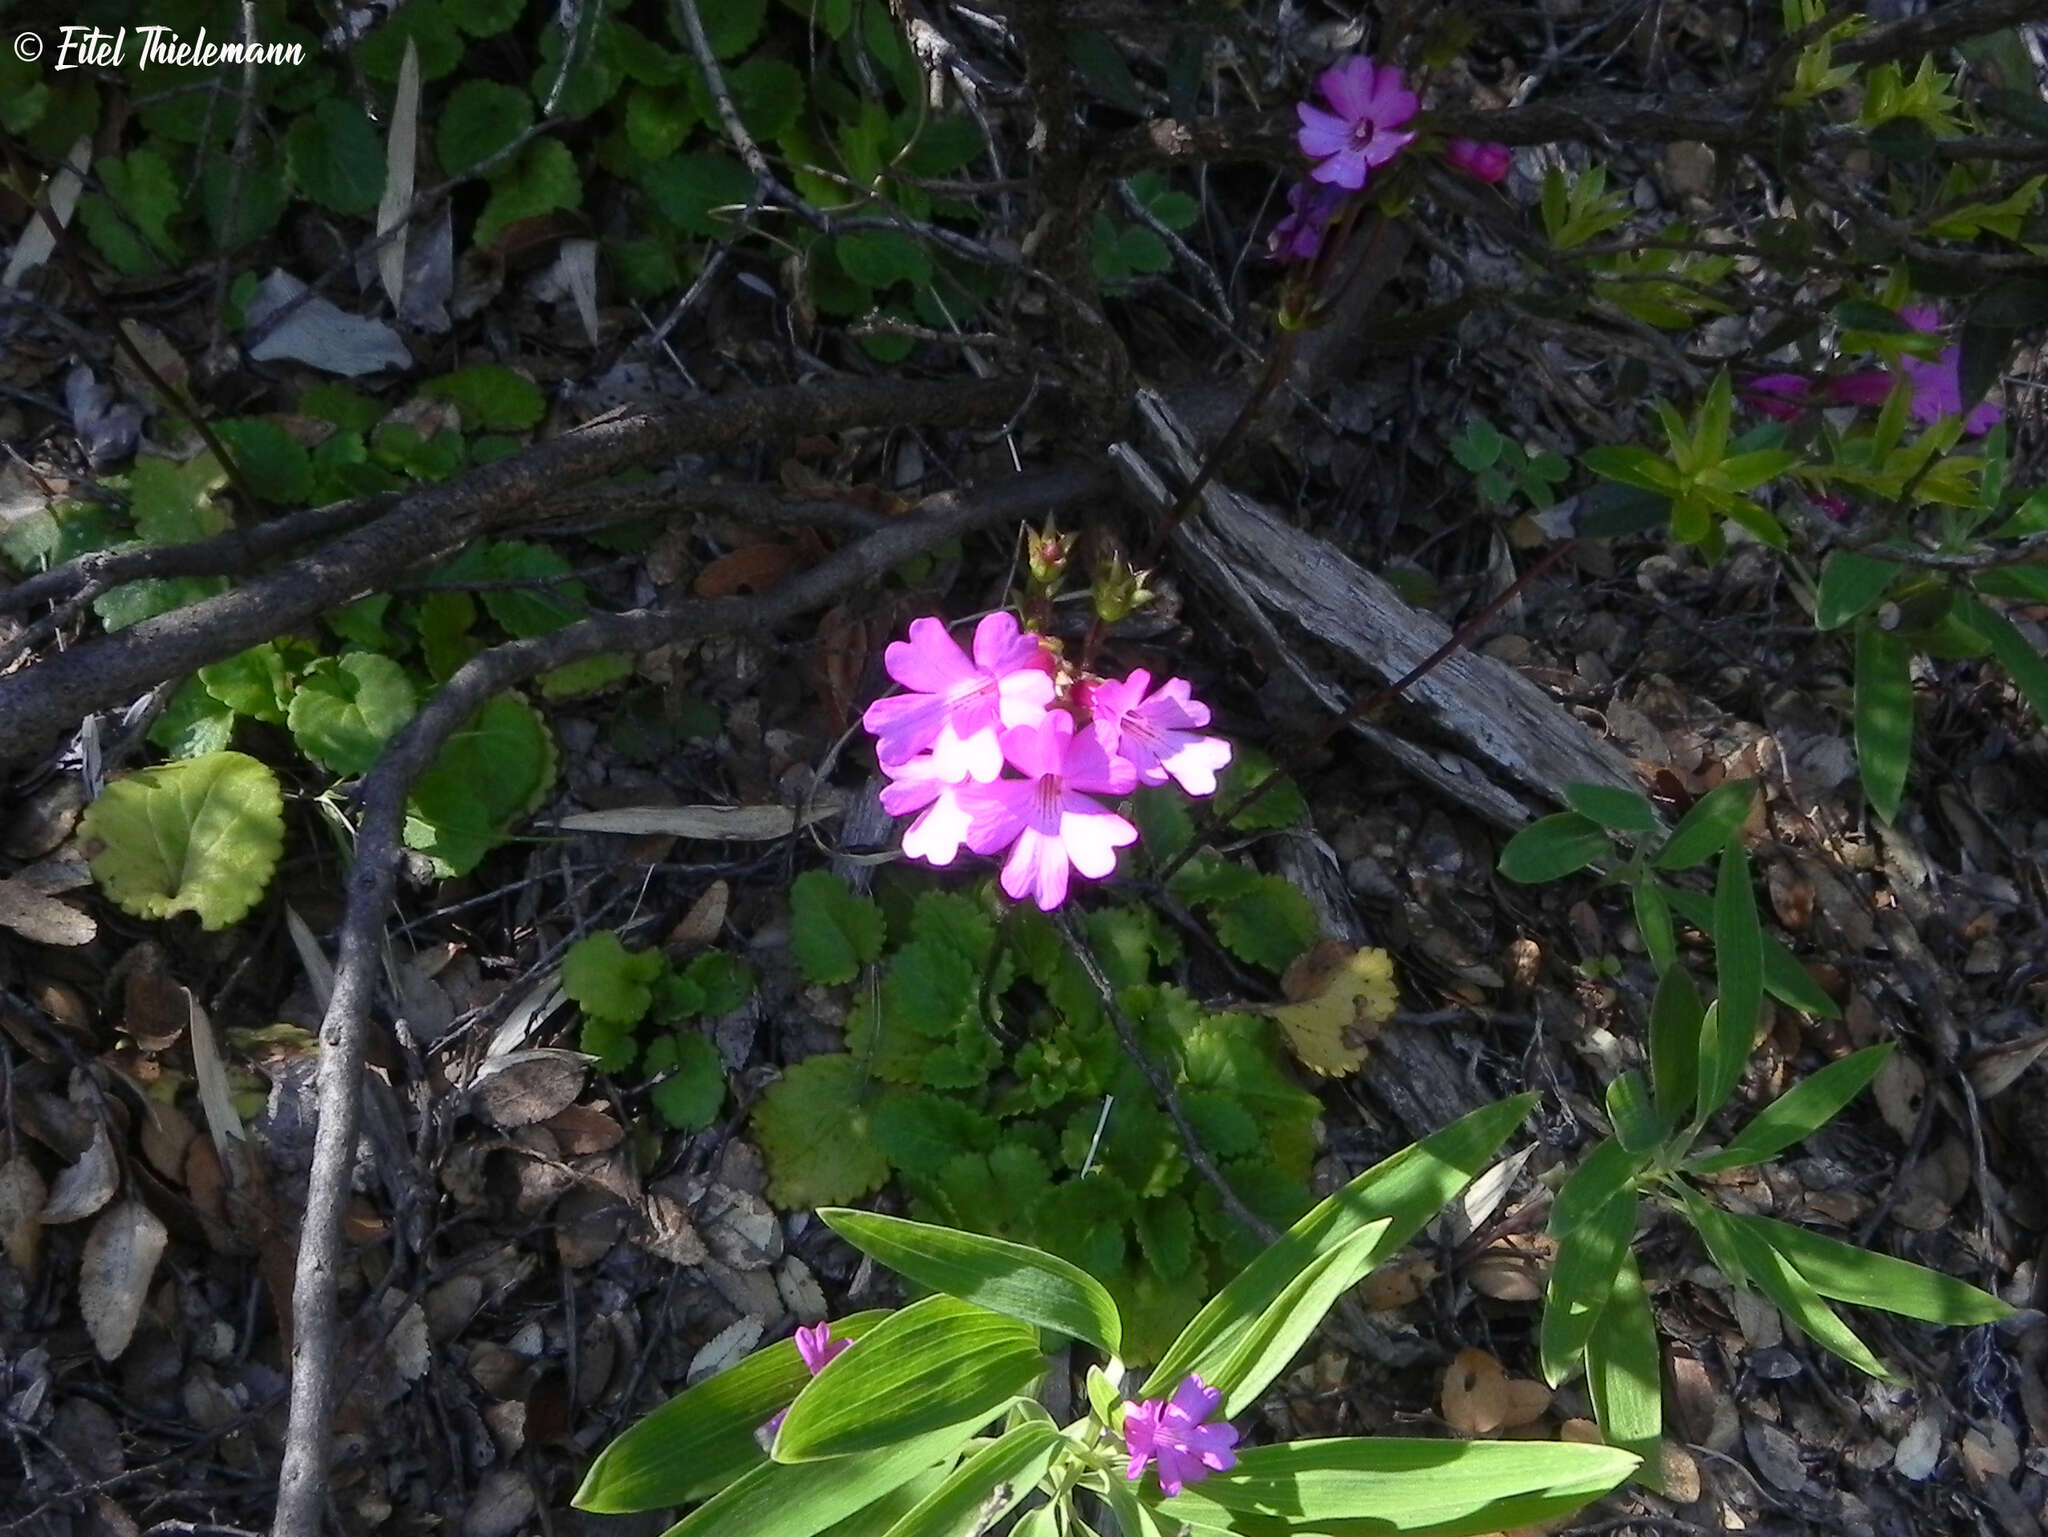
1170 1432
1774 394
1487 162
819 1350
1299 236
955 706
1157 735
1371 101
1048 819
1937 386
1868 387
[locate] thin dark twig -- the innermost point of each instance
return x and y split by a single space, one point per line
1162 1085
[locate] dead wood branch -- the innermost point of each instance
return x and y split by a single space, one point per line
43 702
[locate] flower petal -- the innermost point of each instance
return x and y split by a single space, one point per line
1349 87
1320 134
930 662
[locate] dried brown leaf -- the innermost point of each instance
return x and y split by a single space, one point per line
524 1088
120 1257
87 1185
22 1194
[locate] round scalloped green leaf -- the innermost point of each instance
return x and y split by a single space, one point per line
813 1129
347 708
201 836
493 771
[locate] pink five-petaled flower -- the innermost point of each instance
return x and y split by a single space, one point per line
819 1350
1299 236
1170 1431
1487 162
1937 386
1046 820
1156 735
1372 101
956 707
942 823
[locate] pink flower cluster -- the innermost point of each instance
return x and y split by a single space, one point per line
1170 1432
964 719
1371 106
819 1350
1937 386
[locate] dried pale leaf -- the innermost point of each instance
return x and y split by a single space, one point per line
1990 1451
167 1134
725 1347
582 1129
670 1234
401 150
1475 1400
1397 1285
741 824
754 568
451 1305
1706 1414
1758 1319
1581 1432
114 1272
520 1020
523 1088
1343 998
1900 1090
576 270
319 970
87 1185
1507 1275
1998 1068
216 1099
1681 1482
1919 1449
38 240
42 920
588 1223
318 333
503 1505
801 1293
1481 1198
408 1344
705 920
22 1193
1776 1455
740 1227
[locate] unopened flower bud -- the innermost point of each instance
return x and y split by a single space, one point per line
1047 555
1119 590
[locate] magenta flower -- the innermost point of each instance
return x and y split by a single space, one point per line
1487 162
1372 101
1937 386
917 785
957 707
1155 735
1299 236
1170 1432
819 1350
1048 820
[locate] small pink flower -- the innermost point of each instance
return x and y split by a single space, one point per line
1487 162
917 785
1299 236
1837 509
1046 820
1156 734
956 707
1774 394
1372 100
1170 1432
819 1350
1937 386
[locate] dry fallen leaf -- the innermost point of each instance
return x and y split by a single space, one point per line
87 1185
724 1348
745 824
1480 1398
114 1273
42 920
756 568
1900 1088
523 1088
1397 1285
1998 1068
22 1193
1342 998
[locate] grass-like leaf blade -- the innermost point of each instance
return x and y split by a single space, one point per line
1581 1281
1729 1037
1849 1274
1784 978
1255 1356
801 1499
1004 1277
1799 1112
1676 1018
1884 717
1653 922
986 1485
1704 830
2020 660
1624 1372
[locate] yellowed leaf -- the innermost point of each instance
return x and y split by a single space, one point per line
1343 998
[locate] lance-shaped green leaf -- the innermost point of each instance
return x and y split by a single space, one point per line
801 1499
1625 811
1004 1277
1799 1112
1784 978
1624 1372
986 1485
1796 1298
1637 1126
1850 586
1728 1034
935 1363
1580 1282
1253 1357
2020 660
703 1439
1360 1487
1653 922
1407 1189
1884 716
1849 1274
1134 1517
1601 1176
1676 1019
1724 1247
1705 829
1553 847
